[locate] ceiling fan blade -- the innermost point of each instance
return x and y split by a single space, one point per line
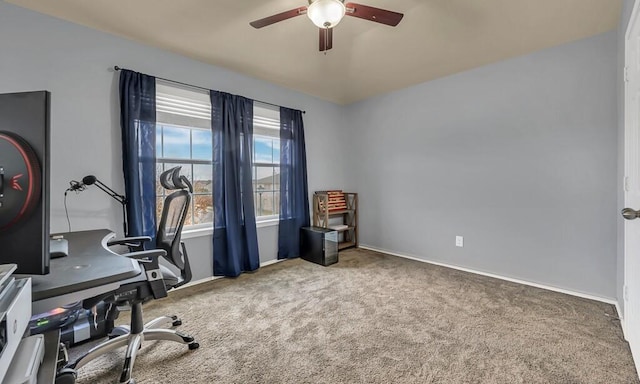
374 14
326 39
279 17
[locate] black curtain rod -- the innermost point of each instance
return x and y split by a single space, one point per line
195 86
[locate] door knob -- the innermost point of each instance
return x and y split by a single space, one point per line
630 214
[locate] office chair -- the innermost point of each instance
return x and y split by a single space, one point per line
154 283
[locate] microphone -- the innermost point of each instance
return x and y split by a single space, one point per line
81 186
89 180
76 186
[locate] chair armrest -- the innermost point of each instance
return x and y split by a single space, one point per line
142 255
125 240
132 242
151 265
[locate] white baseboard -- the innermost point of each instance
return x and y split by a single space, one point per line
537 285
211 278
200 281
519 281
271 262
621 317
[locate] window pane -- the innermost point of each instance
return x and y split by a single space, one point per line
202 178
176 143
159 141
264 203
203 209
276 151
264 178
256 203
189 219
159 204
266 186
263 150
276 178
267 203
202 143
159 189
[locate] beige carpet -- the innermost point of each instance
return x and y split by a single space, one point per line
375 318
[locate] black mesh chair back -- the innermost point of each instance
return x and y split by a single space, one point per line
174 215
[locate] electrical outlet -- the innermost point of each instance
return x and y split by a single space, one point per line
459 241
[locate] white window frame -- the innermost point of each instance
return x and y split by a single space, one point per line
266 124
184 107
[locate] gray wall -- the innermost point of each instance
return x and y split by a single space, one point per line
40 52
519 157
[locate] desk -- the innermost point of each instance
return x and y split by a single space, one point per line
89 270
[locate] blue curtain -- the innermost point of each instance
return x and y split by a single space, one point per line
235 240
138 124
294 192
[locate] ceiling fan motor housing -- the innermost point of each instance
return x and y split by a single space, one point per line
326 13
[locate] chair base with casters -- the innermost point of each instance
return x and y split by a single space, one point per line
134 294
162 320
135 335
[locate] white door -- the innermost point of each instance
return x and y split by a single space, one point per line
632 186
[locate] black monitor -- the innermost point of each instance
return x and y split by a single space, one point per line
24 181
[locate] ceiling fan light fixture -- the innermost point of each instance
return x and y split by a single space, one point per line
326 13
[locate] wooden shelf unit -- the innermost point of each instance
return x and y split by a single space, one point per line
348 216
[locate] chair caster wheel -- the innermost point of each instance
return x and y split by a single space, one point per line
66 376
193 346
118 331
177 323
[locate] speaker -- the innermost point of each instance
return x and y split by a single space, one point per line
24 181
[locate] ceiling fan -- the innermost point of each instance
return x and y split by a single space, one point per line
326 14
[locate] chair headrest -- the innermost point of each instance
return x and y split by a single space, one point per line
171 179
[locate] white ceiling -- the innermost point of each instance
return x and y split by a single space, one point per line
436 38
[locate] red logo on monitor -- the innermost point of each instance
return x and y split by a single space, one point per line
14 182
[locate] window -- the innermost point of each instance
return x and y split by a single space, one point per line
266 161
183 138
